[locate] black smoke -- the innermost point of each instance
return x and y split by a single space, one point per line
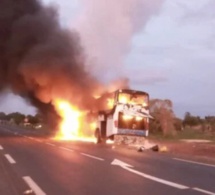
40 60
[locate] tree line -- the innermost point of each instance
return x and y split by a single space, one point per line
165 122
19 118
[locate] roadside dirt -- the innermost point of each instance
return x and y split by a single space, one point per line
204 152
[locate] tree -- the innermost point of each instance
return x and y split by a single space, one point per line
163 115
178 124
210 122
33 119
16 117
3 116
191 120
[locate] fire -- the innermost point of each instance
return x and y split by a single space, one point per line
109 141
128 99
110 103
70 126
123 99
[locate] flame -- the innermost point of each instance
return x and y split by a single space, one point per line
93 125
123 99
110 103
97 96
109 141
70 126
127 117
126 99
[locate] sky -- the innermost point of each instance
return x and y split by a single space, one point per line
165 47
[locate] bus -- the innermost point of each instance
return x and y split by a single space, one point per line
123 117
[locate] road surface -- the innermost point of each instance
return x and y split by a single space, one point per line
38 165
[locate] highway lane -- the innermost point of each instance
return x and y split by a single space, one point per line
85 168
62 172
160 165
10 181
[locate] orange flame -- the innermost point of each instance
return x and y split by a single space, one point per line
123 99
70 126
126 99
110 103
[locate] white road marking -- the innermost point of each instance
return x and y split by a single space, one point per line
50 144
194 162
10 159
37 190
1 148
204 191
169 183
120 163
128 168
94 157
66 149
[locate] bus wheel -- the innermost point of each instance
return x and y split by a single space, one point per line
98 136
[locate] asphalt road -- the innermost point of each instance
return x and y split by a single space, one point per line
65 168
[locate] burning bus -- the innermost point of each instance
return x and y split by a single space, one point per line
124 117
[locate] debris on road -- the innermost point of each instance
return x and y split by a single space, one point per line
148 146
163 149
155 148
28 191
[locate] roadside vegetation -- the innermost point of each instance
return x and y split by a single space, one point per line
17 118
165 125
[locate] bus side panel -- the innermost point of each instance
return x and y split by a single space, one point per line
111 129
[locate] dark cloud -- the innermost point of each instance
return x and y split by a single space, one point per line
40 60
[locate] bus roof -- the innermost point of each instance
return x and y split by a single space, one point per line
131 91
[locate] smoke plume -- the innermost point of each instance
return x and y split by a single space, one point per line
40 60
107 29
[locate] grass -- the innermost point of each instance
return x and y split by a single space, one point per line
185 134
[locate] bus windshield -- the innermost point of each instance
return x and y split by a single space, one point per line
133 98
